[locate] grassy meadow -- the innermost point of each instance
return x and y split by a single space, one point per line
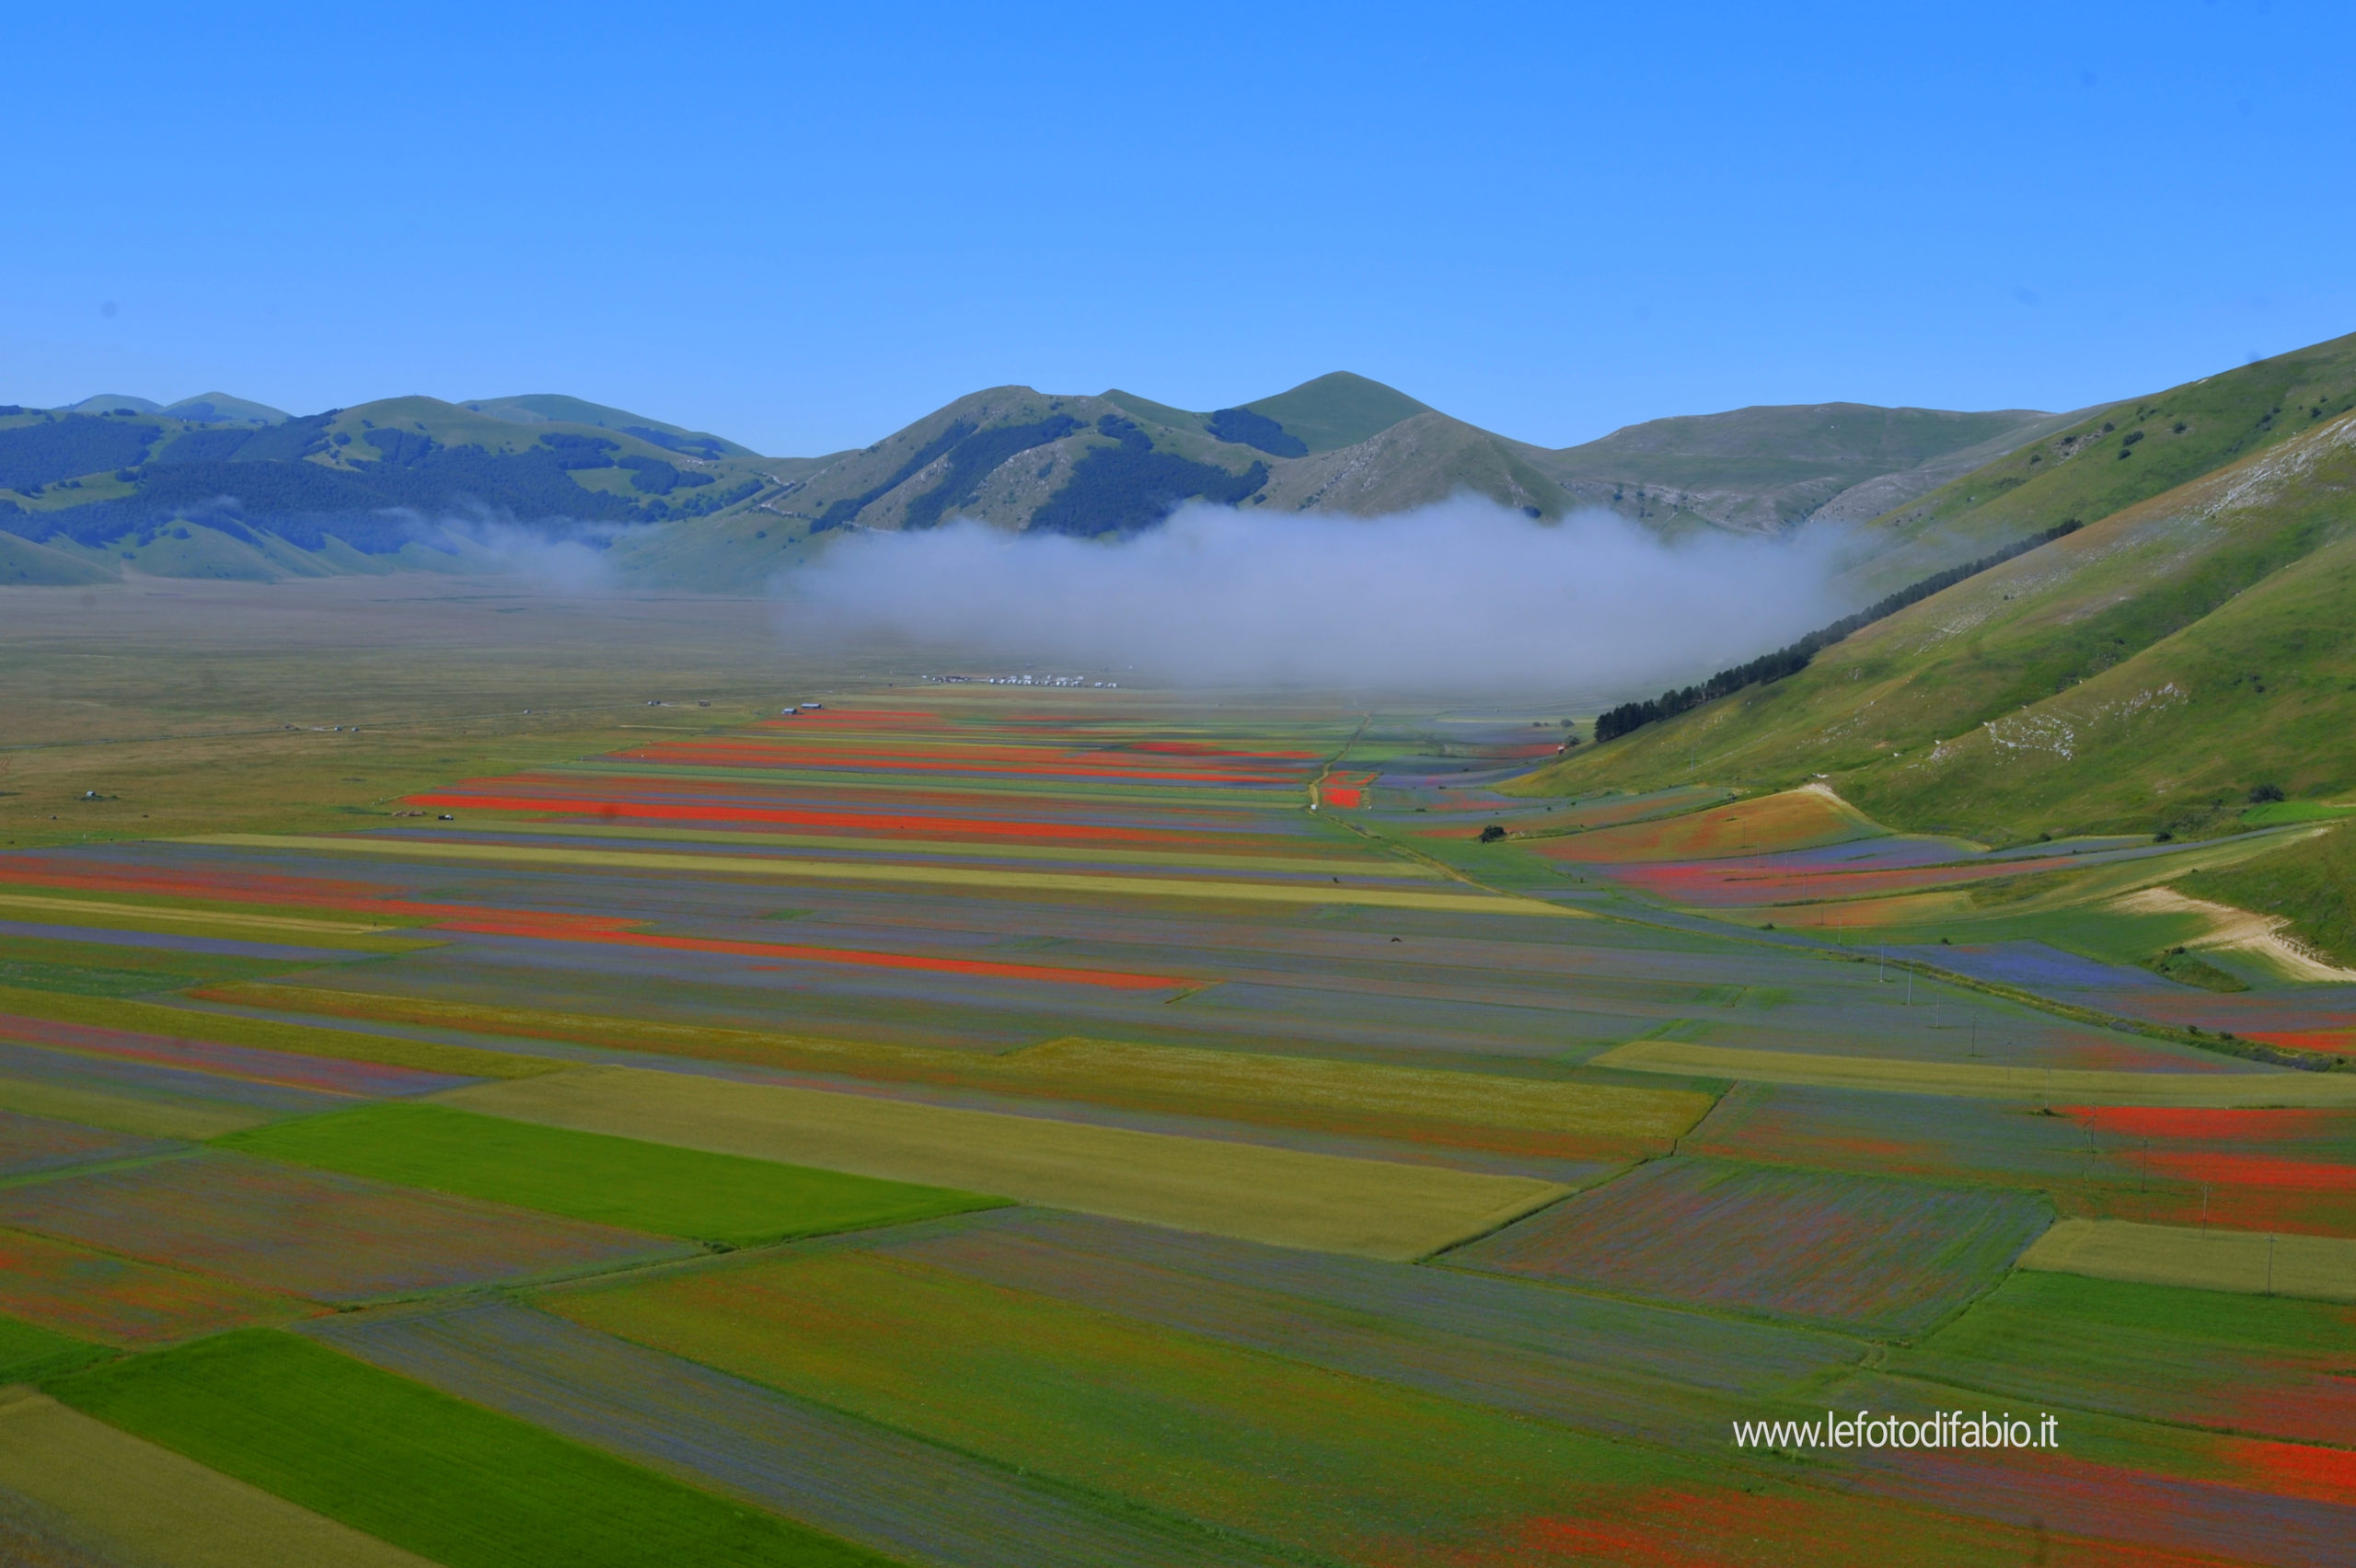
125 1499
323 1432
718 1199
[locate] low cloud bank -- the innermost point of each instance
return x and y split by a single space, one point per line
1464 596
553 556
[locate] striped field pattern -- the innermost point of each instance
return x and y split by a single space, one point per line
982 1125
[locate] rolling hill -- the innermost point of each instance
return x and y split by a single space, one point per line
1769 468
205 408
551 408
220 487
2189 643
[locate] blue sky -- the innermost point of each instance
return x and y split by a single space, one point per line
803 227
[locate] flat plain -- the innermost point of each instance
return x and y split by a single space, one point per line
971 1124
590 1176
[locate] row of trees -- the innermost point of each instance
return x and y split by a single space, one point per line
1791 660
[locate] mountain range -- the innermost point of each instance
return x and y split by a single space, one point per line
222 485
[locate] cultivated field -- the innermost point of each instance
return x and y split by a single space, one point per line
992 1126
1378 1208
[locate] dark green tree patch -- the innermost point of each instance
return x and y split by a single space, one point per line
402 448
1130 487
78 443
581 451
1244 427
655 475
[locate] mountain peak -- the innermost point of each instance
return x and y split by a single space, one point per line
220 407
1338 410
106 402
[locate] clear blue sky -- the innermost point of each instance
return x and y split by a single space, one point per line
804 226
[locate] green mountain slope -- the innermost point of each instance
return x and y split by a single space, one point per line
1338 411
1151 412
1851 441
1021 458
2141 675
1768 468
24 564
1009 456
2112 458
554 408
1417 462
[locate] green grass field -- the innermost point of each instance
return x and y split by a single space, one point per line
2270 1365
1379 1208
2239 1261
125 1501
446 1480
718 1198
29 1351
1293 1454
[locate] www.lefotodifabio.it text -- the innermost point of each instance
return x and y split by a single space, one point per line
1941 1429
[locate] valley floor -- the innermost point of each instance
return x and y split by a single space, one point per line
965 1123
